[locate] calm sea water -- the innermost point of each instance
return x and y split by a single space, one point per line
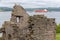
5 16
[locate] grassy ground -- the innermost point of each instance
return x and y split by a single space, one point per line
58 36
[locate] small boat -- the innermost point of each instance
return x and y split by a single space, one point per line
45 10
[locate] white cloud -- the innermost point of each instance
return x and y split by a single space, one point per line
31 3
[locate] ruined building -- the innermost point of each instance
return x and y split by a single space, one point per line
24 27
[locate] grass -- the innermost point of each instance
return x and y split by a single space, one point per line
58 36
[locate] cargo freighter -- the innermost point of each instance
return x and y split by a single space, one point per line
45 10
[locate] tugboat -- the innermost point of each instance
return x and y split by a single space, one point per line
45 10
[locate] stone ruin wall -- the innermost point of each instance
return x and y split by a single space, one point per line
36 27
43 28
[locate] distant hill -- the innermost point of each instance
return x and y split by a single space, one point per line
49 9
5 9
30 9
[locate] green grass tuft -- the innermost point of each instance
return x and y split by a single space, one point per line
58 36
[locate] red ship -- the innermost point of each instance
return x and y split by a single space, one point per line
45 10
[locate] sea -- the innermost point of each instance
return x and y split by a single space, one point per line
5 16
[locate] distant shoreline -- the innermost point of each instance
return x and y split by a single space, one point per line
4 11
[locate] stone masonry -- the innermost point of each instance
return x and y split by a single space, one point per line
24 27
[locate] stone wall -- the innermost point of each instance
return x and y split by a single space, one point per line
24 27
42 28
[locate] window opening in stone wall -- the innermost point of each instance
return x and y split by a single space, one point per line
18 18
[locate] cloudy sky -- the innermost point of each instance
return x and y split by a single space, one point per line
31 3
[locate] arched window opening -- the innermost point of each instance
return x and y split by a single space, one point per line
18 18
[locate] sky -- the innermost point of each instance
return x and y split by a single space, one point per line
30 3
